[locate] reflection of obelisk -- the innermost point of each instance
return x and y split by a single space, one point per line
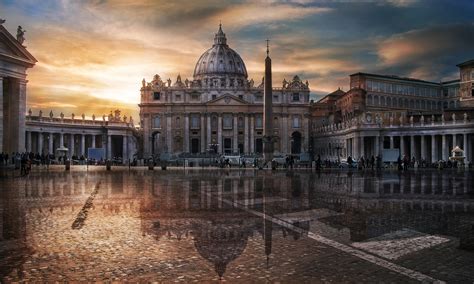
268 111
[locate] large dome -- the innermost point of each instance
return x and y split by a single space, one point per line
220 61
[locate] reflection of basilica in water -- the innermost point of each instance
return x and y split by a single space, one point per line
212 210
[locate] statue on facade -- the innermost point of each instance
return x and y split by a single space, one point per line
40 113
61 115
93 117
307 84
401 120
20 35
465 117
251 83
186 83
143 83
103 117
432 119
131 120
83 116
422 120
391 120
453 117
72 116
111 116
411 120
117 115
51 115
284 83
169 82
124 118
29 112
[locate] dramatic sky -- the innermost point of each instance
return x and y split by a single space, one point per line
93 54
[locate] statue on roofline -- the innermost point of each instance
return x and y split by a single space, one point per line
20 35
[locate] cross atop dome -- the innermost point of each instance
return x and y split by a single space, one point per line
220 37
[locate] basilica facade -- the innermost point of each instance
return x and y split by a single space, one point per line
221 110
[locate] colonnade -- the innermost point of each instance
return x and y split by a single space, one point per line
76 143
429 147
243 132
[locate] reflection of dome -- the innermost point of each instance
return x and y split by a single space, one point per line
220 243
220 60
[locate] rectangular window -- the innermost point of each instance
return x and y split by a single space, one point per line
156 96
214 97
227 121
178 97
157 122
258 98
296 97
296 122
369 85
195 122
259 122
275 98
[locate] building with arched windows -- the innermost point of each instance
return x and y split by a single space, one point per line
220 109
394 116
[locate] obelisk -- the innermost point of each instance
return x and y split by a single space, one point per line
268 111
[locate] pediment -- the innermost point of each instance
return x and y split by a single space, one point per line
12 50
227 100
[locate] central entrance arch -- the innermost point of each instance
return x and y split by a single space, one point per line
296 142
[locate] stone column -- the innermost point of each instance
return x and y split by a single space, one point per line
465 147
124 148
219 133
147 139
93 141
168 133
2 130
50 143
444 154
71 145
109 147
203 134
252 134
186 133
28 141
391 142
356 147
83 144
235 142
246 134
454 141
423 147
412 147
40 143
402 147
305 124
284 133
209 130
433 149
61 139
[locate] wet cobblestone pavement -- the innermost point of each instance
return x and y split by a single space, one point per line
237 226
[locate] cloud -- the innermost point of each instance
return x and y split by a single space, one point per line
428 52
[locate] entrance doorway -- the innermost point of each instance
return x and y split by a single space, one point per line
227 145
259 145
296 143
194 145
